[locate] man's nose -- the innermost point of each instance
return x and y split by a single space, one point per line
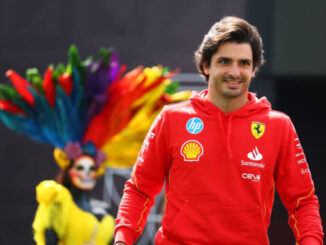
234 70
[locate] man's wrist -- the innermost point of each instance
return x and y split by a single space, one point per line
124 236
119 243
310 241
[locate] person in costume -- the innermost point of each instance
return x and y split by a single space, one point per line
222 154
95 116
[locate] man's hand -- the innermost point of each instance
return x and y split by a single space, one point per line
119 243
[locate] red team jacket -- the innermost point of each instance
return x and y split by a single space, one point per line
221 171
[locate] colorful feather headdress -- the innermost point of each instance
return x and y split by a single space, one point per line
88 107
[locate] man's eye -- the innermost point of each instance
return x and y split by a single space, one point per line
223 61
244 62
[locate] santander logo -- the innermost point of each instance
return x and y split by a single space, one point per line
255 155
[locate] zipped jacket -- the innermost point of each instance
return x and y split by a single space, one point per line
221 171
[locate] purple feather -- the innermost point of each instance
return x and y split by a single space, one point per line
99 76
114 66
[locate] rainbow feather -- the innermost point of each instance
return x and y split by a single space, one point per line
91 102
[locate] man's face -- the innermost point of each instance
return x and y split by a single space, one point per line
83 174
231 70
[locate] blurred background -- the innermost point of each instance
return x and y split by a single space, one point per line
37 33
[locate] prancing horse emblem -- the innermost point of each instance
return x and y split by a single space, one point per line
257 129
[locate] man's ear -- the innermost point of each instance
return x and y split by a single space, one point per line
253 74
206 69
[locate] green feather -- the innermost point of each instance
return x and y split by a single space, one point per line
172 88
75 61
60 69
105 55
34 77
9 93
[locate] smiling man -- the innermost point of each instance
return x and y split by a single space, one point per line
221 154
230 72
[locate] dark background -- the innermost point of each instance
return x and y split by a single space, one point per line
35 33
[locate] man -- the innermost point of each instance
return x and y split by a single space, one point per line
221 154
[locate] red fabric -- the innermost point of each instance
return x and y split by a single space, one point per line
224 194
310 241
124 236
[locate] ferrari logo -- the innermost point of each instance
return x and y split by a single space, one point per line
257 129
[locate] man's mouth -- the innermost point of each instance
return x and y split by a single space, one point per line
233 83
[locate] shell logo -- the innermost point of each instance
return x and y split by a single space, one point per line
192 150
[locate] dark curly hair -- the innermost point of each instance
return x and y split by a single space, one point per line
229 29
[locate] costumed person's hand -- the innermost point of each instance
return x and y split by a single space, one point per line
51 237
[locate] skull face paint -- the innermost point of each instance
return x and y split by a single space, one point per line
83 173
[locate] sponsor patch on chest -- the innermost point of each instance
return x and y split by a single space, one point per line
192 150
194 125
255 156
257 129
252 177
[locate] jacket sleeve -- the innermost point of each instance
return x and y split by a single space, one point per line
296 188
146 181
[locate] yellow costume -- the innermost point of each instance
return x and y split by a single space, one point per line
73 226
